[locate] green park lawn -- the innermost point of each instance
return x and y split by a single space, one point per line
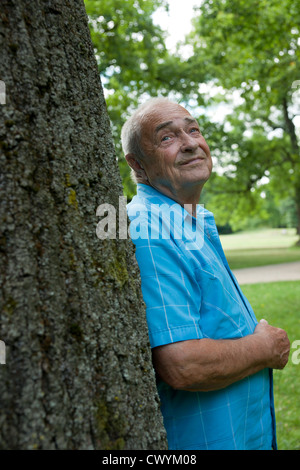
260 247
279 303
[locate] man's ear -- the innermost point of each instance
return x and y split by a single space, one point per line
136 166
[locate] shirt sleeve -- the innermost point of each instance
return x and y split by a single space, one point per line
170 291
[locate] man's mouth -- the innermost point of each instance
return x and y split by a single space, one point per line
192 161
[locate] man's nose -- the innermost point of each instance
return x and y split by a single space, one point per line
188 143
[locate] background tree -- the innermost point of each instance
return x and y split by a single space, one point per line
253 47
78 371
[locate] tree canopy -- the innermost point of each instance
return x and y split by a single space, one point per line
246 49
254 47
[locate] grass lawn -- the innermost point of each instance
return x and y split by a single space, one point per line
260 247
279 303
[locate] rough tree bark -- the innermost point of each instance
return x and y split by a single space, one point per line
78 372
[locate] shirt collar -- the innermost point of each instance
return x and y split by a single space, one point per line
148 192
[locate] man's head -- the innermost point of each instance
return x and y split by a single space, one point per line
163 145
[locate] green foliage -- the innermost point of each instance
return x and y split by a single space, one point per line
128 49
249 42
127 42
253 47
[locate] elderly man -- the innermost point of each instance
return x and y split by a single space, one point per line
212 358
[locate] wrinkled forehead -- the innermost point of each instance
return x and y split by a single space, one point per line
156 115
164 111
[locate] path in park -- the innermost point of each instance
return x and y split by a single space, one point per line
270 273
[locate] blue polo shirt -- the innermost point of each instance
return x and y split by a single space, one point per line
191 293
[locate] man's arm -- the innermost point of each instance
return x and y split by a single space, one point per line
206 364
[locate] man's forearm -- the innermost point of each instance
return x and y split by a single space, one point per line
206 364
220 363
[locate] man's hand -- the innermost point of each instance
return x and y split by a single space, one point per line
276 342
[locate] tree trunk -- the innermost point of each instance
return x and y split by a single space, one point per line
78 372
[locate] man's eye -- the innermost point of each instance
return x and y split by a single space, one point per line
166 137
195 129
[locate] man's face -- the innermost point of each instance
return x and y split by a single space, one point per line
177 155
